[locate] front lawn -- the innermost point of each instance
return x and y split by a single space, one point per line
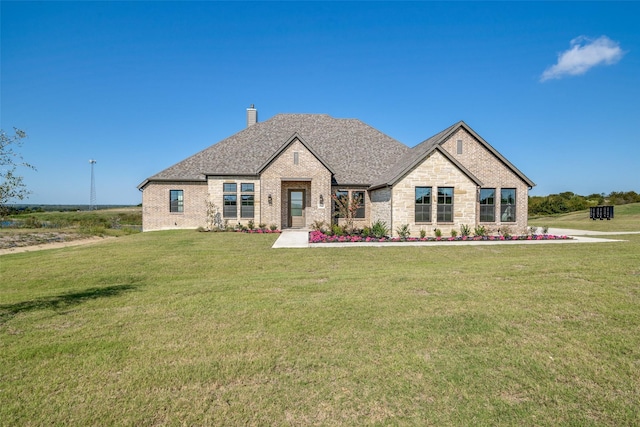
188 328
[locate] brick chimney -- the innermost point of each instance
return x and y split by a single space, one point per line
252 116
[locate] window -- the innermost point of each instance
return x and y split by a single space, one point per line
246 200
359 196
459 146
343 196
296 157
508 205
423 204
487 205
176 201
346 197
445 204
230 208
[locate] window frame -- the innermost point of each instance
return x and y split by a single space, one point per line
508 209
178 206
424 207
445 205
361 211
247 200
229 199
487 210
338 194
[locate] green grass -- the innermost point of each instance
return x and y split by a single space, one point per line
626 218
186 328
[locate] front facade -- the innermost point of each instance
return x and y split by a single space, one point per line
283 172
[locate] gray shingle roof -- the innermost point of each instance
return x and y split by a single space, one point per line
354 151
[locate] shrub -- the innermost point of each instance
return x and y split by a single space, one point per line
273 227
403 231
380 229
533 230
32 222
336 230
505 231
251 225
437 232
115 223
465 230
423 233
545 229
454 232
366 232
262 226
480 231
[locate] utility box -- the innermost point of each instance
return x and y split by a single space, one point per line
601 212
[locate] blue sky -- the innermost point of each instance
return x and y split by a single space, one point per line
139 86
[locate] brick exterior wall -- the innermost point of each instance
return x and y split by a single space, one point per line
493 174
283 175
216 186
156 213
435 171
395 206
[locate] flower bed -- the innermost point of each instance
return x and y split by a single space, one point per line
259 231
319 237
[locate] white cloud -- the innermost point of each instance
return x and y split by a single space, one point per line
583 55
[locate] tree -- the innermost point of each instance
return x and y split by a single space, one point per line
346 207
11 184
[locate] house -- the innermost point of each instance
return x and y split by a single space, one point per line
284 171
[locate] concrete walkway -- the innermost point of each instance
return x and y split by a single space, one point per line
300 239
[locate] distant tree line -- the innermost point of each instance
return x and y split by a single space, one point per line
571 202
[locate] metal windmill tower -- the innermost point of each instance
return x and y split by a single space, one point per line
92 200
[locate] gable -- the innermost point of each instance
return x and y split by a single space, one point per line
295 145
437 168
295 161
467 163
481 158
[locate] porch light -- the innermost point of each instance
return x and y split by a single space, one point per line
270 200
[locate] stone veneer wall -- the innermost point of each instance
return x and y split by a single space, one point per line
435 171
381 205
494 174
155 206
283 174
216 196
